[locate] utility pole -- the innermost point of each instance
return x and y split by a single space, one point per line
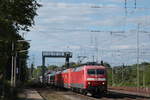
93 58
135 4
15 59
12 67
123 72
143 68
126 11
144 76
138 74
112 62
96 48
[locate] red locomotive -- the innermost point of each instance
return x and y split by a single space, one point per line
84 79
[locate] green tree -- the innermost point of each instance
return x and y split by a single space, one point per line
52 67
107 65
19 13
15 16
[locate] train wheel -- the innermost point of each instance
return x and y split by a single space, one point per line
78 90
72 89
84 92
93 94
81 91
102 94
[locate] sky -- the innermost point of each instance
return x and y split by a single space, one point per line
103 29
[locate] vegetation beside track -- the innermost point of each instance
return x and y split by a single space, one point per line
126 75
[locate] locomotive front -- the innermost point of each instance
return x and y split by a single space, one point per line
96 79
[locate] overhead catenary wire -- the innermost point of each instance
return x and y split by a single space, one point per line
126 11
102 6
120 35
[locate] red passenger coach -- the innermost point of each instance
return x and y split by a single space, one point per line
50 79
58 79
89 78
66 76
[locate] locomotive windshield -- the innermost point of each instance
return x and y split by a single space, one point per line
96 72
91 71
99 71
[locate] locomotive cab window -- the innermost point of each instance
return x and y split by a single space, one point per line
95 72
100 72
91 71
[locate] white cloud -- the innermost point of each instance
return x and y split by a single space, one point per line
123 47
61 25
143 20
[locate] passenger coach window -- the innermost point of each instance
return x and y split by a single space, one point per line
91 71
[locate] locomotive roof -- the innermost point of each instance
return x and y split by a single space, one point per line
88 66
95 66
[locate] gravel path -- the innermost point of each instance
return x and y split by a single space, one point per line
29 94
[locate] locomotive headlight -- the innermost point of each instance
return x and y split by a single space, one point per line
103 83
89 83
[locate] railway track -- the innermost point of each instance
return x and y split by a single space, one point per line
69 95
112 95
132 90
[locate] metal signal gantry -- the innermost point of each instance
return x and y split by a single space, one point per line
56 54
